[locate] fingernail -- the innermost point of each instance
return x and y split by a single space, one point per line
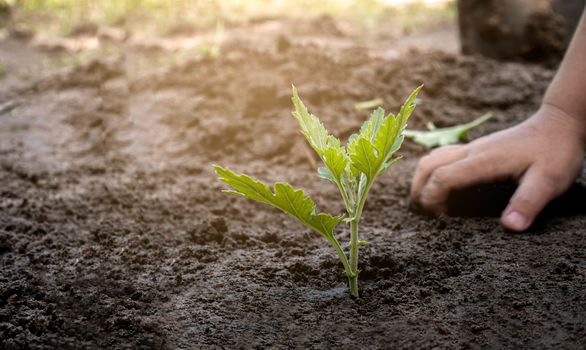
515 221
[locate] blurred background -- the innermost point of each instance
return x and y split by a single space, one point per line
534 30
185 16
40 34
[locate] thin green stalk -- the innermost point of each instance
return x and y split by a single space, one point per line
354 241
342 255
354 257
344 197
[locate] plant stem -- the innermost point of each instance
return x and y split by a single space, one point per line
344 197
353 279
342 255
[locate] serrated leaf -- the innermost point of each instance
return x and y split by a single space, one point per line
386 137
444 136
389 164
352 138
408 107
363 156
312 128
325 174
398 142
325 145
370 128
380 137
284 197
362 184
336 160
350 183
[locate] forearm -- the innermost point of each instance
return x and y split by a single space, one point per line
567 91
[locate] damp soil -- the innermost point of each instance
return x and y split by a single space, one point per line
114 232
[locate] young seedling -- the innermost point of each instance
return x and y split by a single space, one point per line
444 136
353 169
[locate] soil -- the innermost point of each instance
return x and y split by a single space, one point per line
114 232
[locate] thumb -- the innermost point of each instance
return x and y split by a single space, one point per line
537 188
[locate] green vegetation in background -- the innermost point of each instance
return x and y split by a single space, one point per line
435 137
164 16
81 57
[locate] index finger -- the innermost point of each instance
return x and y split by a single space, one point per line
428 164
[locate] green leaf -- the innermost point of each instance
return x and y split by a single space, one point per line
336 160
325 174
363 156
389 164
312 128
408 107
325 145
444 136
350 183
380 137
385 140
361 151
284 197
370 128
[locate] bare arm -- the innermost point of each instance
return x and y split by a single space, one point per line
544 154
568 88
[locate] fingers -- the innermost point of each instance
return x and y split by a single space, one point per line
523 153
459 175
536 189
432 161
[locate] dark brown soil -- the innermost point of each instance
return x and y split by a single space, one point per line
114 232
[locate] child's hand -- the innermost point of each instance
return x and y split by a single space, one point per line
544 154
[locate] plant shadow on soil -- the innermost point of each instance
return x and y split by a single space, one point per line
114 232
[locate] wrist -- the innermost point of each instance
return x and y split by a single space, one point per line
575 125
